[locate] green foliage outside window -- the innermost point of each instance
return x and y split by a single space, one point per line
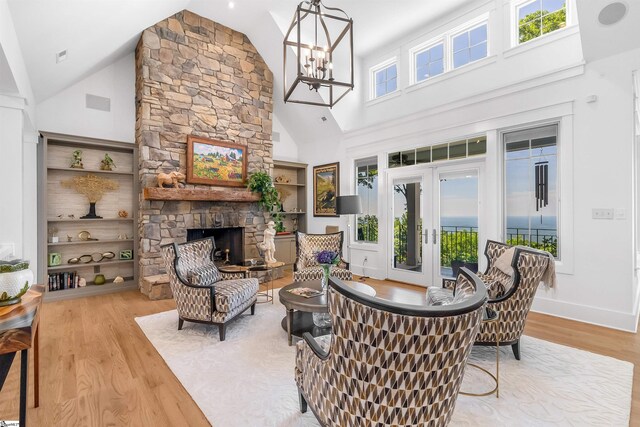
541 22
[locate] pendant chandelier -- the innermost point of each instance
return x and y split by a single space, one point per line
320 65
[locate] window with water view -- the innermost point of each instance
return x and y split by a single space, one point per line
367 189
531 183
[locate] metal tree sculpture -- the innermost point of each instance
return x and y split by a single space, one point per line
93 188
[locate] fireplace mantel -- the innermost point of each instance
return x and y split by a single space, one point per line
196 194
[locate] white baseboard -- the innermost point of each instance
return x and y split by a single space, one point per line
374 273
588 314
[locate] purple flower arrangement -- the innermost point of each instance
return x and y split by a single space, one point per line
327 257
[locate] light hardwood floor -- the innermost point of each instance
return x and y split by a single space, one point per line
98 369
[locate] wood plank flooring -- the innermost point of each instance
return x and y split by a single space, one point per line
98 369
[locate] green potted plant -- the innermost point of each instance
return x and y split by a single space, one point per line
261 182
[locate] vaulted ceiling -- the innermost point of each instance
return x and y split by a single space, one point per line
97 32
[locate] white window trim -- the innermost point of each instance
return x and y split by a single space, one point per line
515 30
364 244
468 26
564 265
416 50
372 77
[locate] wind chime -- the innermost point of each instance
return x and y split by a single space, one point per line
542 184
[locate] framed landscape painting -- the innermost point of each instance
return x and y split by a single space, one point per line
215 162
326 187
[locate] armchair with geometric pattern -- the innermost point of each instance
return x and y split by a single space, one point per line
511 296
203 294
388 363
307 246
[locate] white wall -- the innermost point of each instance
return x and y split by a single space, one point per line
66 112
503 67
18 142
599 286
286 148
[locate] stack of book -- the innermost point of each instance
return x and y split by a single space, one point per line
66 280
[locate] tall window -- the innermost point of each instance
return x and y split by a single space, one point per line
429 62
540 17
367 189
470 46
385 80
531 178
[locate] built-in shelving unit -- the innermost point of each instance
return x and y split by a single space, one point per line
290 178
112 233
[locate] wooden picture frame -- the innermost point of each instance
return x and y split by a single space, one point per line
326 188
214 162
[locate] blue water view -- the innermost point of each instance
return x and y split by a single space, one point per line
548 223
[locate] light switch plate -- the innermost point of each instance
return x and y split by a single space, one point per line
602 213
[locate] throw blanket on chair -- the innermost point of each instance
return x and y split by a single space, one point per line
548 279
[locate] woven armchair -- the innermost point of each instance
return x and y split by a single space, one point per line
388 363
307 246
203 294
510 296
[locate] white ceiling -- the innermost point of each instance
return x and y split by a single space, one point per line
600 41
96 32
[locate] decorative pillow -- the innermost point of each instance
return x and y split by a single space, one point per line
439 296
205 275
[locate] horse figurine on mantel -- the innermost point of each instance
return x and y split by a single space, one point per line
170 180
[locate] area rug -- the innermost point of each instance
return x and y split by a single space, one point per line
248 379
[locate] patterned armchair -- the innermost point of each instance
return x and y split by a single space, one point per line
306 266
202 293
510 296
388 363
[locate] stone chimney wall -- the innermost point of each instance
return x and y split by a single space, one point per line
197 77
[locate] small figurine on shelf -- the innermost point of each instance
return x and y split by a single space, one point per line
76 163
53 235
69 238
107 164
123 214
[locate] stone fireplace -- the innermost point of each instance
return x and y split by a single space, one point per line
229 243
197 77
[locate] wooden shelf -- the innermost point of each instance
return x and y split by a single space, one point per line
54 199
89 242
89 171
88 264
91 290
195 194
289 184
289 213
87 220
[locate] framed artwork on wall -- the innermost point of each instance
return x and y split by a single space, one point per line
326 187
215 162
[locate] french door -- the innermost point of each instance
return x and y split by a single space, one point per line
433 225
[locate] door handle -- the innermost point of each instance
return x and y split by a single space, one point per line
435 236
426 237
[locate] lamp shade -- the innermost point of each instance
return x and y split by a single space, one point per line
348 205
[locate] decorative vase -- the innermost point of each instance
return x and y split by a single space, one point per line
15 281
99 279
323 320
326 272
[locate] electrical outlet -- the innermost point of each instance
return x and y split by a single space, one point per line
602 213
